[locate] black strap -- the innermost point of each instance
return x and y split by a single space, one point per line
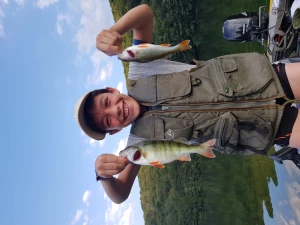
248 126
242 148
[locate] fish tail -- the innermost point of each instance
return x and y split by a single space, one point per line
184 45
208 152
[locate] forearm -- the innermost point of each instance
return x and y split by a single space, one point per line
118 189
138 19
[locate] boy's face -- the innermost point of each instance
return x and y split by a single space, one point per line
112 111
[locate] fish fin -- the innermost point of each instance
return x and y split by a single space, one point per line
143 46
184 45
167 45
185 158
157 164
208 151
160 166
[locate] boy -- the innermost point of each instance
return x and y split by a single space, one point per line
108 111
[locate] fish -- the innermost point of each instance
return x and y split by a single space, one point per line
149 52
158 153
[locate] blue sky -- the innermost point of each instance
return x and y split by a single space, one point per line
48 60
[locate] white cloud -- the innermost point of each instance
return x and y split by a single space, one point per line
77 217
4 1
95 17
92 142
101 143
1 30
119 214
121 145
100 74
88 151
2 15
45 3
86 197
120 87
20 2
292 189
61 19
102 68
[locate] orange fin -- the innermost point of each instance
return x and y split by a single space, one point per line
184 45
143 46
157 164
185 158
208 151
167 45
160 166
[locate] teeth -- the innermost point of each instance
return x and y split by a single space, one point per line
125 111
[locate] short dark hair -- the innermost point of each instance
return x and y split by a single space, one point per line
88 105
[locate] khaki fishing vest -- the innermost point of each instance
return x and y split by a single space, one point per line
230 98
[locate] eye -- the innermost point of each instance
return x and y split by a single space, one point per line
106 102
108 121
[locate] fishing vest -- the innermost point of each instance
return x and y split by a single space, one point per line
230 98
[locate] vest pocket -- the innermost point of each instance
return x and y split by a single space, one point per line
241 74
168 128
173 86
160 88
238 135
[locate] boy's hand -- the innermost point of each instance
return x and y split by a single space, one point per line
107 165
109 42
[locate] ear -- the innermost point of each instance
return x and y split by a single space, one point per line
114 131
112 90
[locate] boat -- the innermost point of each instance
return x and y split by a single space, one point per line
271 26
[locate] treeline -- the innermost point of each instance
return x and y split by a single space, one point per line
225 190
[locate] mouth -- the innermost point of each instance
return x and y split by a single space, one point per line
125 111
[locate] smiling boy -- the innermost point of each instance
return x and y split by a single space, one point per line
107 111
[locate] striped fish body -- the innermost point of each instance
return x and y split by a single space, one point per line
157 153
150 52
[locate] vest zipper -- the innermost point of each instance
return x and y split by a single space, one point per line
229 105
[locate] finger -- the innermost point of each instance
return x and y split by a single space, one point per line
110 158
109 49
119 37
111 166
107 173
109 37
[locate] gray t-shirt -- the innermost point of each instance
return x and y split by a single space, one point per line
159 66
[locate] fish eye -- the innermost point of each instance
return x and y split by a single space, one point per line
137 155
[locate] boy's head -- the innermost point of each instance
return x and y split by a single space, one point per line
105 111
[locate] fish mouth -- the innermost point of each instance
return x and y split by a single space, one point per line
125 111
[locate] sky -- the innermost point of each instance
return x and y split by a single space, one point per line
48 61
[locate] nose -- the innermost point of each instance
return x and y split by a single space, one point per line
116 111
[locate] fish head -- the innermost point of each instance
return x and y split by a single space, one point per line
127 55
132 153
